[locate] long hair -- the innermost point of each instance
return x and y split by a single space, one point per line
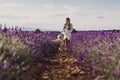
68 19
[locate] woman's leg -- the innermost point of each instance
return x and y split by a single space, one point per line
66 42
70 46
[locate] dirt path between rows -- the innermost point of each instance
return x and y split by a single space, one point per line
62 67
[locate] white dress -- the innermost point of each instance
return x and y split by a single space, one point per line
67 33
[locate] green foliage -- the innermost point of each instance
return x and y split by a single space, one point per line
15 57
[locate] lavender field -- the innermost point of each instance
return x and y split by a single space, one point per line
26 55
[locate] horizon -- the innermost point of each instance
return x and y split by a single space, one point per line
48 30
85 15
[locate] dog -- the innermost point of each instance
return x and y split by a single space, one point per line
59 42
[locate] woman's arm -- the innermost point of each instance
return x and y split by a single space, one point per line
71 28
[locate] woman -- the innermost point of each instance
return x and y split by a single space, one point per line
67 30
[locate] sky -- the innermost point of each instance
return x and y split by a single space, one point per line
51 14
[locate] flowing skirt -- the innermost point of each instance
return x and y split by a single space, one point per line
67 35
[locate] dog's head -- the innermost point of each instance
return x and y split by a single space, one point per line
60 37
